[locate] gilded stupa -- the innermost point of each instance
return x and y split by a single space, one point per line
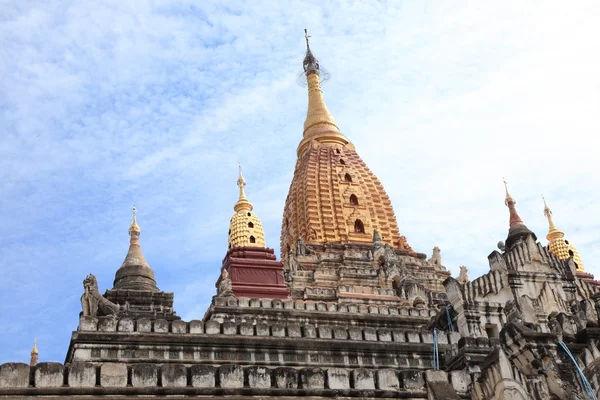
245 229
557 243
333 197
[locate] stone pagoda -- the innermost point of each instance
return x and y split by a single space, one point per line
350 310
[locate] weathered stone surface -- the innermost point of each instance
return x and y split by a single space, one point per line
438 386
460 380
174 375
355 333
203 376
113 375
277 303
49 374
246 329
286 378
325 332
161 325
178 326
413 337
212 327
220 301
196 326
144 375
255 303
399 336
294 331
427 337
107 324
340 332
82 374
309 331
144 325
338 378
88 323
363 379
312 378
278 330
384 334
231 376
412 379
262 329
14 375
266 303
288 304
454 337
387 379
259 377
229 328
125 325
370 334
243 302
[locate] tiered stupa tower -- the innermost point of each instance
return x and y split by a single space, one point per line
338 221
334 197
250 268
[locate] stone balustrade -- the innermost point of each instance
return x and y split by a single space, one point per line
263 328
308 305
228 376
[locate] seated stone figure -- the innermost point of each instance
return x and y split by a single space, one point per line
93 303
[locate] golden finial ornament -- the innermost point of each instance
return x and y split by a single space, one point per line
245 229
242 204
557 243
34 354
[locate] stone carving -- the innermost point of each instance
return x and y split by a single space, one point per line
579 315
225 287
93 303
302 249
436 257
512 312
463 277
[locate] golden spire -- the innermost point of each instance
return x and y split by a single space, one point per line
242 204
34 354
553 232
245 229
319 123
557 244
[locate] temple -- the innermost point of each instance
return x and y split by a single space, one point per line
350 310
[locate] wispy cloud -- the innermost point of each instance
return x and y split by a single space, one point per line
109 104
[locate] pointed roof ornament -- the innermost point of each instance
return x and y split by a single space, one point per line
553 232
557 243
34 354
134 225
135 273
242 204
319 122
517 229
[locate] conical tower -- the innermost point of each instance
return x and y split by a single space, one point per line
333 197
245 228
135 273
250 269
517 229
557 243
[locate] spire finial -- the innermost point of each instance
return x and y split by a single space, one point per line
306 36
134 228
553 231
242 203
34 354
508 197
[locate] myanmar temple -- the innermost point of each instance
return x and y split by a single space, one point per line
348 309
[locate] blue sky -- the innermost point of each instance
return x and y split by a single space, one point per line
108 104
